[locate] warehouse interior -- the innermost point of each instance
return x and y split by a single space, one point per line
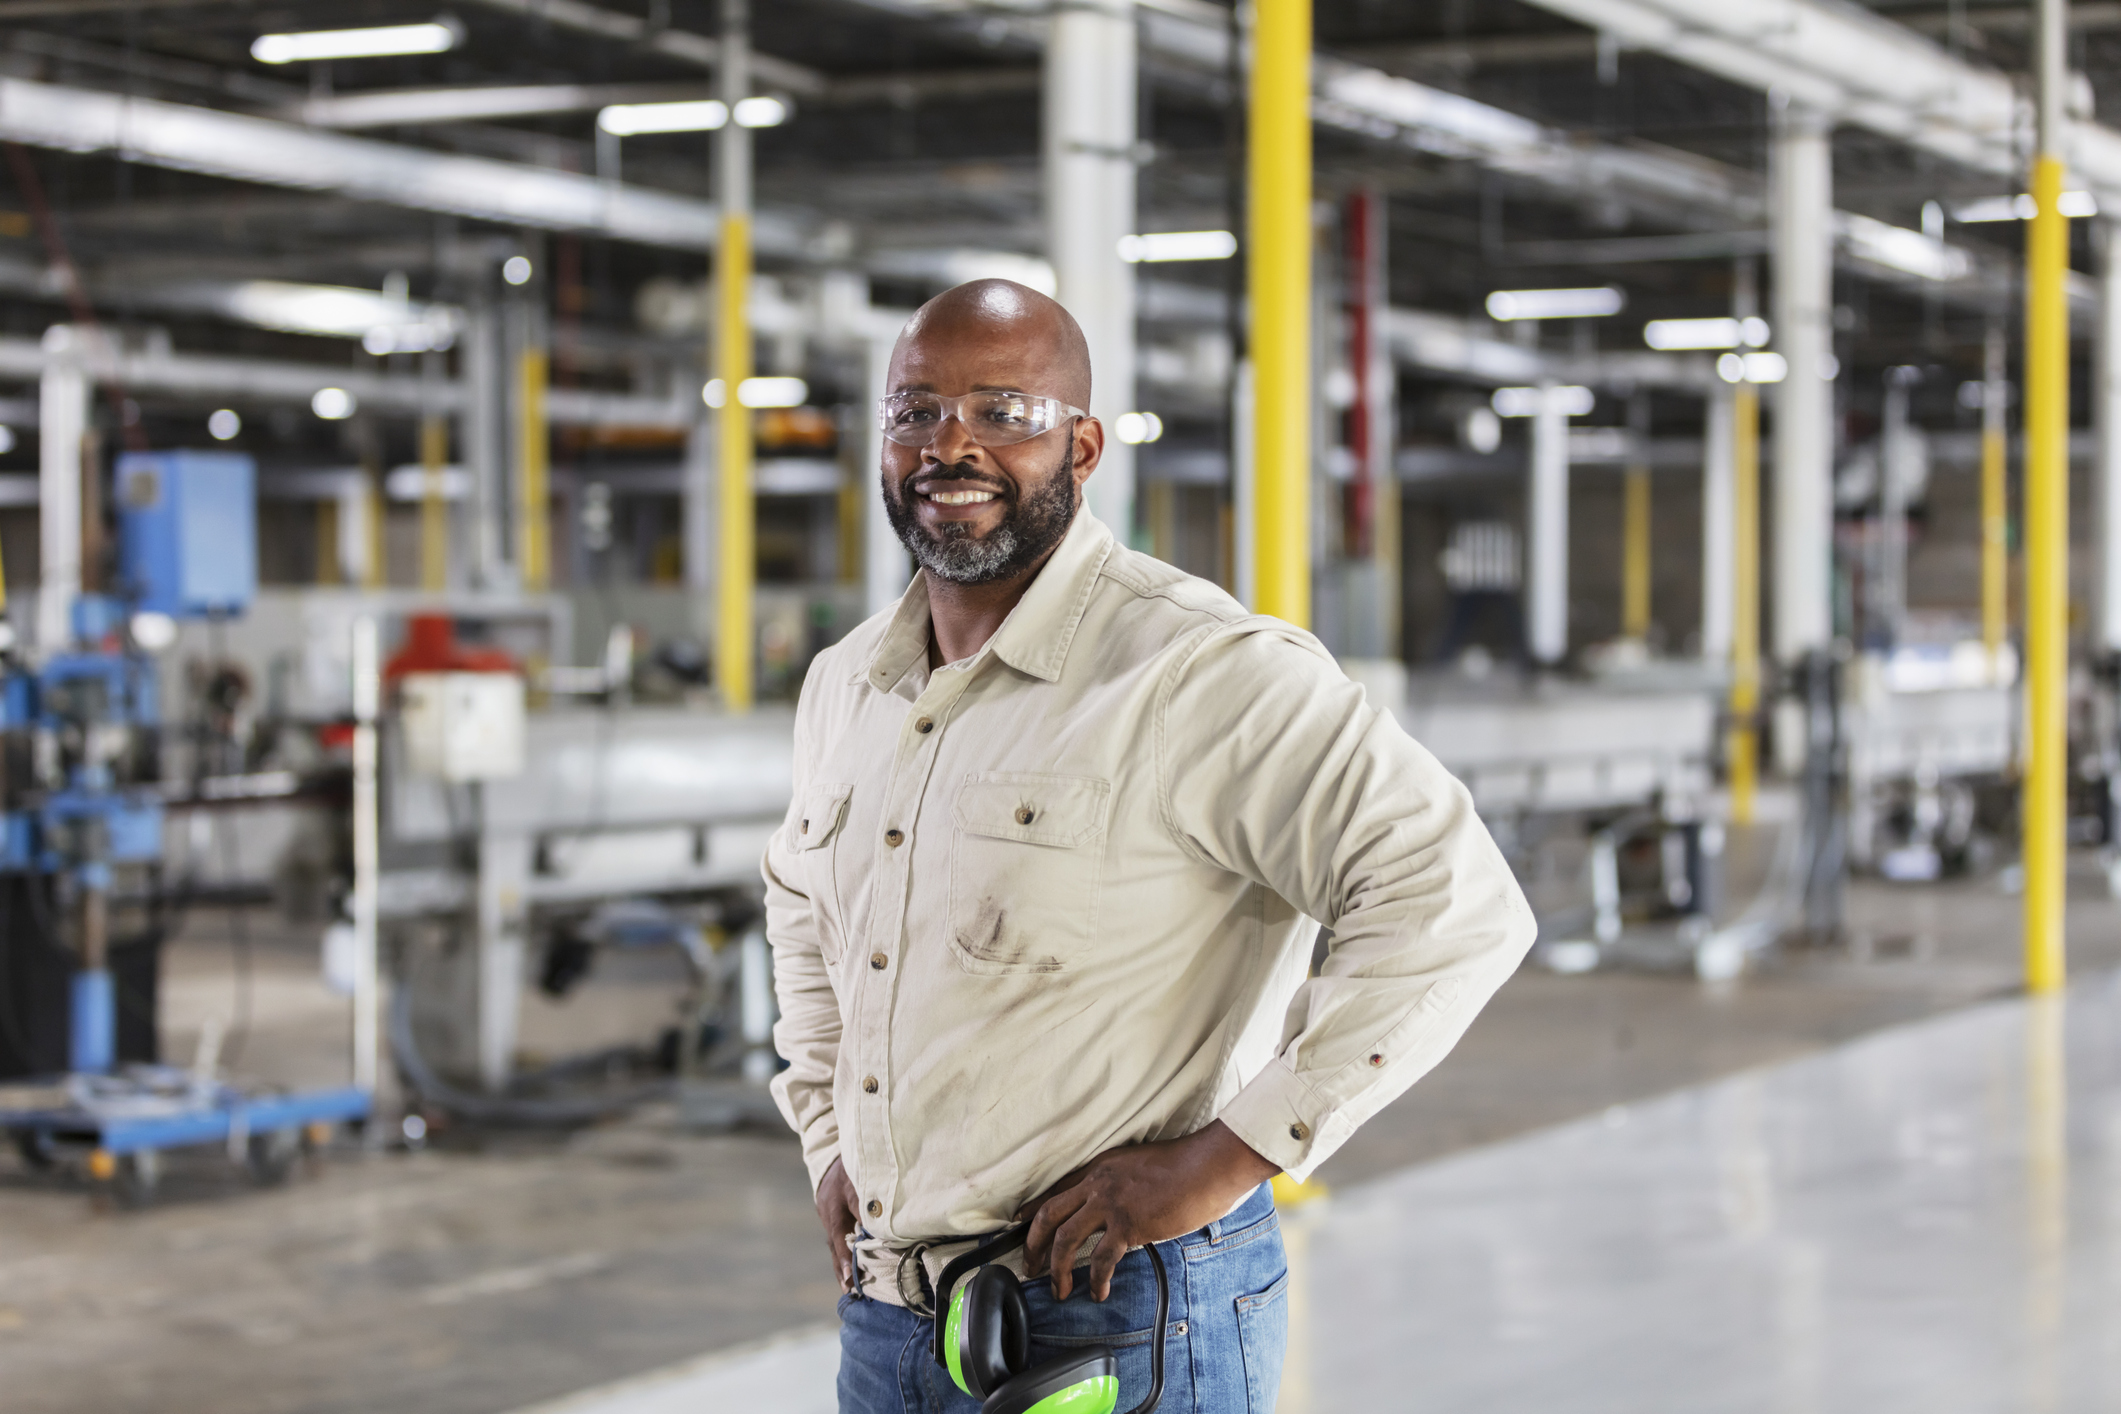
436 440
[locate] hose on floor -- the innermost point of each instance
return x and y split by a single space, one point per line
528 1111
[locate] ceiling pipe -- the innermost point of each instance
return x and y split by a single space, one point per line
243 148
1856 67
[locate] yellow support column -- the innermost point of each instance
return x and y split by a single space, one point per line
434 509
1635 555
2044 801
737 564
733 635
1742 746
2046 575
533 473
1279 274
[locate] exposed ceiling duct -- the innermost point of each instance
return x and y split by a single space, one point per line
244 148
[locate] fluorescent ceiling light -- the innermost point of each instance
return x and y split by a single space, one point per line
761 111
333 404
516 270
435 38
1177 245
758 393
1567 399
2075 204
1898 248
383 323
1762 367
1555 304
1751 332
699 115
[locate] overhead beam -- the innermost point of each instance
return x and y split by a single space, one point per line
216 380
1853 66
243 148
682 45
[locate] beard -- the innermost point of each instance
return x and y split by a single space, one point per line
1034 520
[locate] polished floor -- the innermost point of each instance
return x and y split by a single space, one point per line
1926 1220
1507 1237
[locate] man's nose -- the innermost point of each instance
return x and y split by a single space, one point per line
951 444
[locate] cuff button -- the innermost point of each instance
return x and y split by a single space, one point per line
1299 1131
1377 1058
875 1209
1025 815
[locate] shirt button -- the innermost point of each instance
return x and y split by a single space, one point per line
1377 1059
878 961
806 827
875 1209
1025 814
894 838
869 1084
925 725
1299 1131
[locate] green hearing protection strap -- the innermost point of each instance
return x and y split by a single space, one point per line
952 1330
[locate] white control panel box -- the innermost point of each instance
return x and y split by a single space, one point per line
463 726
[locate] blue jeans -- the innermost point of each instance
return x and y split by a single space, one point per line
1229 1327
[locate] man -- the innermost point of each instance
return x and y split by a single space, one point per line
1041 909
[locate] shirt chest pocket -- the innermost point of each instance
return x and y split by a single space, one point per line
1027 857
817 842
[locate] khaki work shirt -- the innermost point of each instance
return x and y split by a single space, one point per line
1057 897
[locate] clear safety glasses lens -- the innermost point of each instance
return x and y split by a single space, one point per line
990 419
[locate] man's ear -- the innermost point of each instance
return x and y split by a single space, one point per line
1089 447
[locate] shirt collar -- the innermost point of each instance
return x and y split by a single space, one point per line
1034 638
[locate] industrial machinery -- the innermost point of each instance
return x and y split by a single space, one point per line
81 837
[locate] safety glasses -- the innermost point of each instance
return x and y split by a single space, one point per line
990 419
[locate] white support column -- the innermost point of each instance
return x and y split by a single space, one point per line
697 507
1089 157
1895 451
1802 243
2106 417
62 411
1718 530
886 567
504 875
485 445
1547 533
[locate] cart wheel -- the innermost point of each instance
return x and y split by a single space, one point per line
36 1148
272 1155
138 1178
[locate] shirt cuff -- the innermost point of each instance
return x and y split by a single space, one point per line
1280 1118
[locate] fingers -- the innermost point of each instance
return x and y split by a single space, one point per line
1038 1242
1104 1262
1069 1237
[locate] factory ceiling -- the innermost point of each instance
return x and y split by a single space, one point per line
915 129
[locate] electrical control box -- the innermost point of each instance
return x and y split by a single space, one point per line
463 726
188 532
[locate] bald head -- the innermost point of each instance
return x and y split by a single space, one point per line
1004 335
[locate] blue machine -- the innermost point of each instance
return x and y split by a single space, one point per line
187 532
88 717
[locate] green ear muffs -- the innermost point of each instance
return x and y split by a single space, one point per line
983 1341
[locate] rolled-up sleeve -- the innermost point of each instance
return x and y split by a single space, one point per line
808 1032
1274 766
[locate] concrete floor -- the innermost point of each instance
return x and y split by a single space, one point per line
492 1273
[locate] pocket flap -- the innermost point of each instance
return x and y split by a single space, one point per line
1054 810
824 807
